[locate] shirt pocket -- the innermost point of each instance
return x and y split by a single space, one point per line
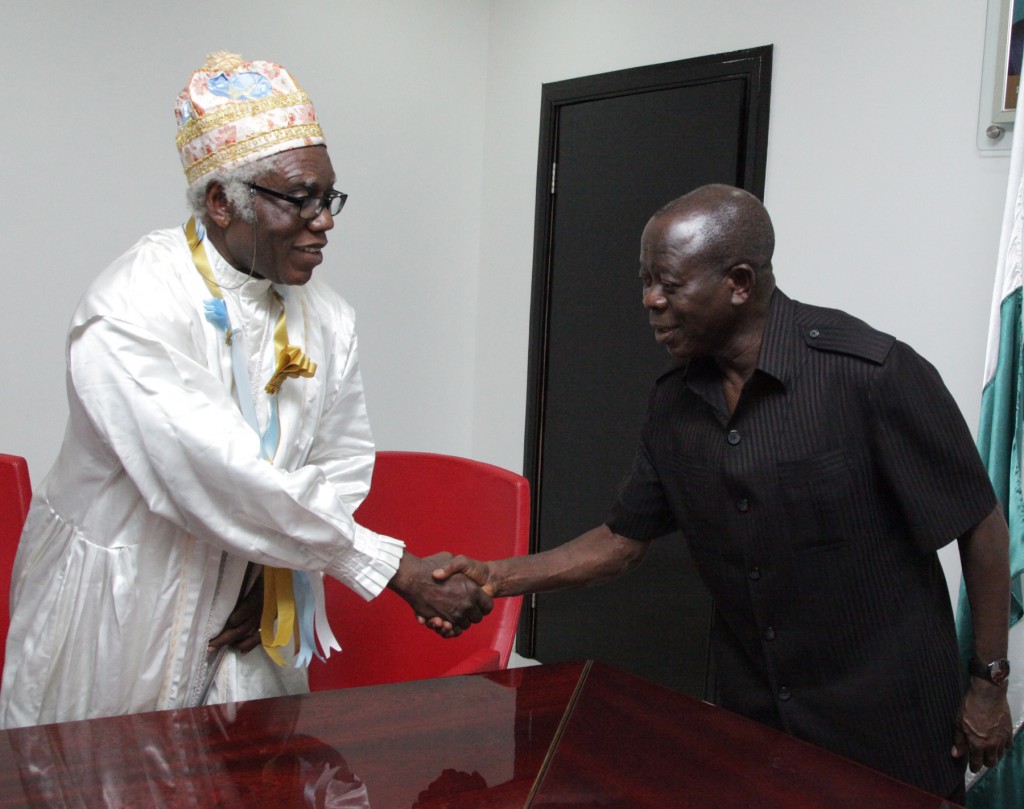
819 497
691 493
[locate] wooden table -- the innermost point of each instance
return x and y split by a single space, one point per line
572 734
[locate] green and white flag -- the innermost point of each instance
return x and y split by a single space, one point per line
1000 442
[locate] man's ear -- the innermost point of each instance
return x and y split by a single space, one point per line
218 207
742 280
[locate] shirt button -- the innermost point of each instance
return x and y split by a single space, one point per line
784 693
769 634
814 333
742 504
733 437
755 573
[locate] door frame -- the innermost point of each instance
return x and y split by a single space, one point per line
753 67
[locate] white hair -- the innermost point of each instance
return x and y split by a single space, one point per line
235 183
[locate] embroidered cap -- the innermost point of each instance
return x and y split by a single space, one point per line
233 112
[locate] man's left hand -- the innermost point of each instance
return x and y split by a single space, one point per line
984 729
242 629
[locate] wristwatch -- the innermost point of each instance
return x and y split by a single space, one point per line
995 672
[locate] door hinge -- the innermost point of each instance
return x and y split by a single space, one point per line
554 174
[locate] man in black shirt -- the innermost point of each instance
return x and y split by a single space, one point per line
815 466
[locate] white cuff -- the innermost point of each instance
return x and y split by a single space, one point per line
372 564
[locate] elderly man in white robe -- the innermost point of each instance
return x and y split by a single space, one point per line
217 445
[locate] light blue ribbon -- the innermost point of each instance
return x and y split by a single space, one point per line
305 608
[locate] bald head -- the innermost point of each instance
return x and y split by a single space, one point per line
706 270
724 226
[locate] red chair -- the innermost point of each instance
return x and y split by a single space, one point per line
15 493
433 503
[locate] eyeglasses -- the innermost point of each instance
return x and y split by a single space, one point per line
309 208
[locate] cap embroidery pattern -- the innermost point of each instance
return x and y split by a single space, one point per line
233 112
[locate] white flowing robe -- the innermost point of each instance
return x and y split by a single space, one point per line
137 542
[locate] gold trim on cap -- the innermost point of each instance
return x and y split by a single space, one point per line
255 143
234 111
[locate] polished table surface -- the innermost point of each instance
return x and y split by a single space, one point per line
572 734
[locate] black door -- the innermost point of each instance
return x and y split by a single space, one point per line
614 148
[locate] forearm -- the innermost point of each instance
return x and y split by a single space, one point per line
984 557
592 558
984 727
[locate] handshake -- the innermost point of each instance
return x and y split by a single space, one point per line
447 593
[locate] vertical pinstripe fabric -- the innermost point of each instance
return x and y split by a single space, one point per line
813 513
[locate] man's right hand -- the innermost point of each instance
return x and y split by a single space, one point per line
480 572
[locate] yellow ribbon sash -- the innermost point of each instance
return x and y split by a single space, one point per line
291 361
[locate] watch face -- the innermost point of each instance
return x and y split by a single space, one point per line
998 671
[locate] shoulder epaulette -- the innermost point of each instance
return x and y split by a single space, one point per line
857 341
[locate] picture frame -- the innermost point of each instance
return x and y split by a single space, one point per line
1001 69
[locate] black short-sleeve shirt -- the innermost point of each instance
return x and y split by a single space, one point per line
814 513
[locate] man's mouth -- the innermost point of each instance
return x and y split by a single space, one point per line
663 333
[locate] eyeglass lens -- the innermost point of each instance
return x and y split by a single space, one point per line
311 206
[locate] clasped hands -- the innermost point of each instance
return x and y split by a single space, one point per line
442 591
463 575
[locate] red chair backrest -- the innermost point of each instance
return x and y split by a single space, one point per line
433 503
15 493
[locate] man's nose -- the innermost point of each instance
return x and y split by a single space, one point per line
653 297
322 221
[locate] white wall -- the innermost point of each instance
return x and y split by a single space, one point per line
882 203
89 165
